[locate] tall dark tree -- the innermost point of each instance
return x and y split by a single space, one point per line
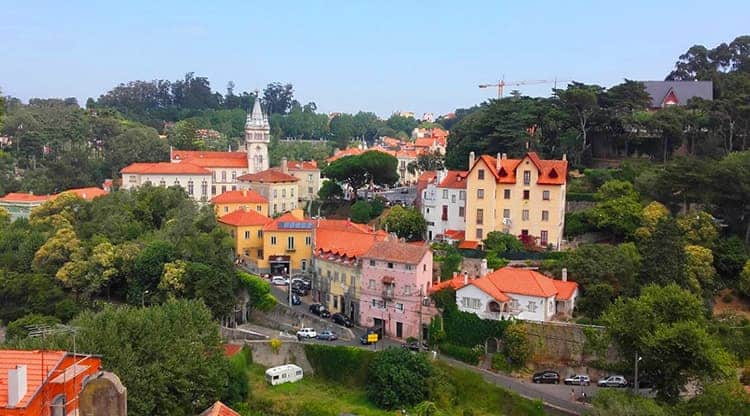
277 98
663 255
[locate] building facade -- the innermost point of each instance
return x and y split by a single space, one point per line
20 204
245 225
309 177
197 181
278 187
524 197
396 278
287 244
246 199
443 203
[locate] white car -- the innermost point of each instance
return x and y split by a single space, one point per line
279 281
578 380
613 381
307 333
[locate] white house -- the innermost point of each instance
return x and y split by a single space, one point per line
519 294
196 180
443 204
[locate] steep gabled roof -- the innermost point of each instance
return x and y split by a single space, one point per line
219 409
551 172
454 179
39 366
683 90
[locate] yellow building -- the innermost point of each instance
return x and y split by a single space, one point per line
231 201
287 244
245 225
338 245
278 187
309 177
523 197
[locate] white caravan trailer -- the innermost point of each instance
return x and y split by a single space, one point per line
288 373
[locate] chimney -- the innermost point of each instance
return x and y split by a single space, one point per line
455 274
564 274
471 159
483 268
565 156
16 385
466 278
498 161
505 156
284 167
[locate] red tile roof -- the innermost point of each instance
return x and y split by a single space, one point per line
454 283
352 151
345 238
244 218
510 280
38 364
20 197
302 165
239 197
424 142
551 172
165 168
87 193
455 179
212 159
397 251
269 176
288 218
455 234
469 245
219 409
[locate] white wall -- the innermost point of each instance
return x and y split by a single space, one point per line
132 181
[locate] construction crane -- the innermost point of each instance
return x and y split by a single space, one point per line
501 84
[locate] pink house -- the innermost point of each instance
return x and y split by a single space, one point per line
396 279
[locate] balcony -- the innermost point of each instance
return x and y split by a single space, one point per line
388 294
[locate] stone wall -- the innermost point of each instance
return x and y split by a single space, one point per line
575 206
567 343
284 318
290 352
103 395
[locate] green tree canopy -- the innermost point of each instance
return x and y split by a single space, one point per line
398 378
407 223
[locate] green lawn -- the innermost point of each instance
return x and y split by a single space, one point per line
315 397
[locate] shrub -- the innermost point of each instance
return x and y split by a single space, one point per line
465 354
396 378
310 408
238 385
579 196
343 365
577 223
360 212
516 346
467 329
18 329
745 377
275 345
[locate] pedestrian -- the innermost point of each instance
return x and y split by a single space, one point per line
572 395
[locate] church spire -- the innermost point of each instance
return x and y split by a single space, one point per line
256 118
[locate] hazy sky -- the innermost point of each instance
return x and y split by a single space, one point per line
380 56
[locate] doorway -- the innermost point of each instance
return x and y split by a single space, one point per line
399 330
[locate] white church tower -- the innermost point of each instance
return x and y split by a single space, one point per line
257 137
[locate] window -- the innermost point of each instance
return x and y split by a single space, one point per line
335 302
531 306
304 265
275 209
479 234
525 215
283 206
260 233
445 194
290 242
308 240
543 237
234 175
132 179
309 178
371 285
309 190
247 235
480 193
545 215
471 303
372 262
223 176
204 188
506 213
275 193
336 276
161 183
260 254
526 194
328 274
424 267
400 307
214 175
291 192
226 208
453 199
351 280
445 213
545 195
176 182
514 305
273 240
223 189
462 195
390 265
527 177
258 208
234 187
409 267
480 174
190 188
57 407
506 194
407 290
283 193
213 189
480 216
461 211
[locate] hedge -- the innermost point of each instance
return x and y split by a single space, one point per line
465 354
343 365
468 330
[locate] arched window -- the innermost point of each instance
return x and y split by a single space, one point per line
177 182
223 176
57 408
204 188
190 188
162 183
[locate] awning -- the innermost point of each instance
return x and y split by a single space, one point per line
389 280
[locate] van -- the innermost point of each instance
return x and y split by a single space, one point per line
288 373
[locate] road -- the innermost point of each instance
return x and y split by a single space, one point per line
403 194
555 396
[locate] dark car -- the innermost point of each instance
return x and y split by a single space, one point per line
363 340
301 291
548 377
296 300
319 310
342 319
415 346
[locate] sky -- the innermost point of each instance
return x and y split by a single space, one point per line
380 55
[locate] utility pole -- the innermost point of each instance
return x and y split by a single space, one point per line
635 383
420 317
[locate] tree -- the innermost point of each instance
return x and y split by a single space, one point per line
728 398
258 290
609 402
744 283
617 266
372 167
700 274
63 246
581 101
730 255
137 144
665 325
664 255
398 378
596 299
401 123
18 329
277 98
730 196
617 208
183 136
501 242
4 218
515 345
360 212
651 214
23 294
330 190
407 223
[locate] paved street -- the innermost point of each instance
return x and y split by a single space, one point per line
400 194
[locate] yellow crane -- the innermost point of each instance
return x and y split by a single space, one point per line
502 84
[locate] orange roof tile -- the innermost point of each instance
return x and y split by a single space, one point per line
551 172
397 251
565 289
288 222
211 159
524 282
345 238
455 234
20 197
427 176
352 151
455 179
454 283
165 168
469 245
219 409
39 365
269 176
87 193
239 197
489 288
244 218
302 165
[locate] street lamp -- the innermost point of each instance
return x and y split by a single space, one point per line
143 296
637 359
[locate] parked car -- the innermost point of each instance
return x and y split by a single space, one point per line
404 190
643 383
364 338
307 333
613 381
302 282
342 319
296 300
299 290
548 377
279 280
327 336
319 310
415 346
578 380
